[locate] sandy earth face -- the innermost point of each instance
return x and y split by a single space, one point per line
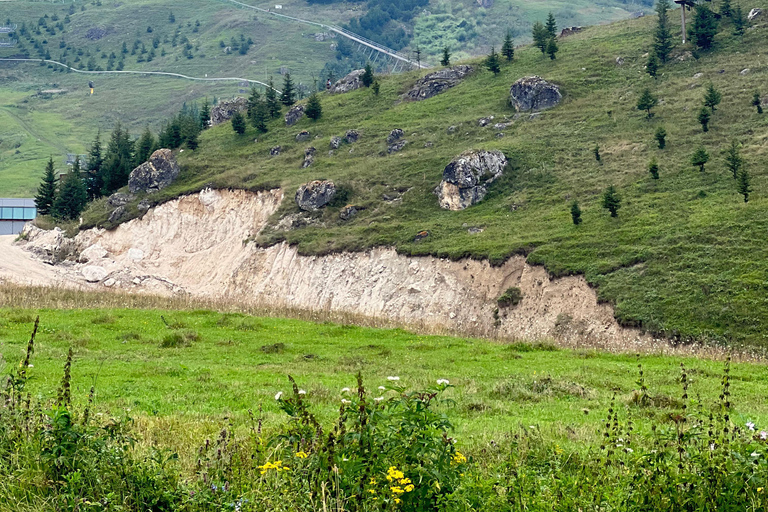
196 245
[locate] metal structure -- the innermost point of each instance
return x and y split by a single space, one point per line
14 213
8 29
8 43
685 5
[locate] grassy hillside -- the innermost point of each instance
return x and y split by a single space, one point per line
685 256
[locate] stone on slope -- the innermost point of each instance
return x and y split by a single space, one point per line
466 178
349 83
314 195
155 174
437 82
534 93
224 110
294 114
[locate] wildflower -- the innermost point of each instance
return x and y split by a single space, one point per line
754 454
409 488
30 366
373 481
345 390
302 392
345 401
396 489
759 489
404 481
398 501
279 395
442 381
382 388
372 491
302 455
458 458
393 377
394 474
763 435
630 450
751 426
378 399
712 447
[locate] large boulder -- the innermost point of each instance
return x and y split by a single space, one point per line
754 13
352 81
224 110
466 178
155 174
314 195
294 114
351 136
437 82
534 93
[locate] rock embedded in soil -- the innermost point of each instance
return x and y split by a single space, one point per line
434 83
314 195
534 93
155 174
467 177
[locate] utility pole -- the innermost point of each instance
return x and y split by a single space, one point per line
418 56
683 5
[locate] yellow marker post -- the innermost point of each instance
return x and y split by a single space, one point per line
91 90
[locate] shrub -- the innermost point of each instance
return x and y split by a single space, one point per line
612 201
661 137
511 297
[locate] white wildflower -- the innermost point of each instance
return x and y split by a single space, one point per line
382 388
345 390
30 366
751 426
393 377
763 435
279 395
630 450
712 447
302 392
345 401
754 454
442 381
378 399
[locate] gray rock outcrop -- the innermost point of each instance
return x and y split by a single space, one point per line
349 83
467 177
348 212
396 146
274 151
302 136
294 114
437 82
117 214
309 157
754 13
119 199
93 273
224 110
394 136
155 174
314 195
335 142
351 136
534 93
568 31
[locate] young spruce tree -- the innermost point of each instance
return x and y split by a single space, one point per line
540 37
238 123
661 137
647 101
446 60
652 65
699 158
508 47
314 109
46 192
733 159
575 213
72 196
551 25
662 37
205 114
704 116
273 103
653 168
743 184
492 62
93 181
367 77
757 102
552 48
704 27
612 201
712 97
288 97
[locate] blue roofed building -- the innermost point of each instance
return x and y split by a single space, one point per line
14 213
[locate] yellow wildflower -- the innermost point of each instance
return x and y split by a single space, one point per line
396 489
409 488
398 501
302 455
458 458
373 481
404 481
372 491
759 489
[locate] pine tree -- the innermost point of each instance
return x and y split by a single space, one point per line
72 196
367 77
46 192
647 101
743 184
540 37
733 160
376 87
259 116
612 201
273 103
551 25
552 48
652 66
145 146
661 137
757 102
726 11
699 158
193 141
288 97
653 168
575 213
446 60
253 100
508 47
704 117
205 114
596 152
118 161
704 28
314 110
662 37
739 21
712 97
238 123
492 62
94 182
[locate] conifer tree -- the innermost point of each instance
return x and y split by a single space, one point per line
93 181
72 196
739 21
699 158
712 97
704 27
314 109
612 201
540 37
551 25
288 97
733 159
704 117
647 101
446 60
757 102
661 137
652 66
118 161
376 87
596 152
46 192
367 77
508 47
743 184
273 103
575 213
552 48
259 116
726 11
653 168
205 114
492 62
253 100
145 146
238 123
662 37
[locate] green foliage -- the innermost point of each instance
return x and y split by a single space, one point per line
540 36
492 62
647 101
145 146
238 123
611 201
511 296
712 97
552 48
551 26
744 184
288 96
314 109
757 102
508 46
445 61
739 20
699 158
273 102
376 87
46 192
575 213
704 116
652 65
733 159
596 152
661 137
72 195
704 28
118 161
726 11
205 114
94 179
653 168
367 77
662 37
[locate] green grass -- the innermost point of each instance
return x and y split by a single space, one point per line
177 367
